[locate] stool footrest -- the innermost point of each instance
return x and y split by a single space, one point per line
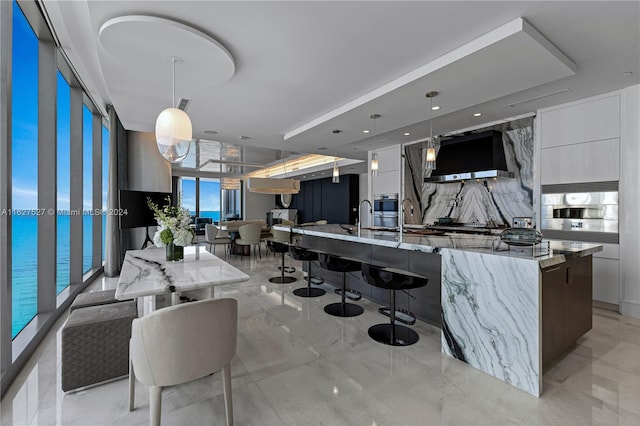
317 280
402 315
350 294
287 269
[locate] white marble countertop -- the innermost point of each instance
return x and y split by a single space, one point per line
147 273
490 244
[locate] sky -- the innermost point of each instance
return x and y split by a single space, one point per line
209 194
25 131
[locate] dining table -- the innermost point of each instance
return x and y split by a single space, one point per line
147 274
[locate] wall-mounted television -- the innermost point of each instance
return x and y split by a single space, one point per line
138 214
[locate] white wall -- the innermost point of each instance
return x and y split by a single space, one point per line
629 199
256 206
148 171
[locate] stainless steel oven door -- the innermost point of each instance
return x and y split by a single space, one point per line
385 220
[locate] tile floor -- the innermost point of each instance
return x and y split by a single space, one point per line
296 365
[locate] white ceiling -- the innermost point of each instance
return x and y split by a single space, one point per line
301 65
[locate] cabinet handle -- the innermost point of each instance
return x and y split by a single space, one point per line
568 275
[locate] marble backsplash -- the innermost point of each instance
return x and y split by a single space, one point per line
477 202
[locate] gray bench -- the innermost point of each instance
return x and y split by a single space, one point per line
95 344
94 298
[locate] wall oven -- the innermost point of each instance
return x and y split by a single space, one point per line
580 211
385 210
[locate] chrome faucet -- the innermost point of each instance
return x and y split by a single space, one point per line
410 205
359 217
402 218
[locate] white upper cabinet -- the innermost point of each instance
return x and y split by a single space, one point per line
597 161
586 121
580 141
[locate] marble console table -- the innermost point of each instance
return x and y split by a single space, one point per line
491 297
147 273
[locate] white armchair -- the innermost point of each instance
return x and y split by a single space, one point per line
182 343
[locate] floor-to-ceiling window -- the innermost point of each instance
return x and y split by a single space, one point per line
24 174
39 85
209 201
87 187
63 181
188 194
203 197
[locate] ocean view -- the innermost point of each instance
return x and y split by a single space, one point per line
24 268
214 215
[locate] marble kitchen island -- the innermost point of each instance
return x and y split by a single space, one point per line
504 312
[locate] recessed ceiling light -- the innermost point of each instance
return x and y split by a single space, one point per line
626 74
211 132
407 134
477 114
435 108
322 148
365 131
244 138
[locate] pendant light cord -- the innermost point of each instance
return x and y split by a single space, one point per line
431 122
374 117
173 85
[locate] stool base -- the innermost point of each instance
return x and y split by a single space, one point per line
343 309
317 280
309 292
282 280
403 336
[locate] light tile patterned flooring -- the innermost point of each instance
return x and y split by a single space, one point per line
296 365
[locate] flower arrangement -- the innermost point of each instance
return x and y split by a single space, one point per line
173 224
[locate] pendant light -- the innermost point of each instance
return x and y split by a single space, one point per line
374 154
336 171
430 162
173 128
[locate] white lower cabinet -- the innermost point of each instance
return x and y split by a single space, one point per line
606 280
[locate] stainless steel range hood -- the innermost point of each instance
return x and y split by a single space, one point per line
473 156
458 177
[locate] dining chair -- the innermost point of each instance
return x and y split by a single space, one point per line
182 343
214 236
250 236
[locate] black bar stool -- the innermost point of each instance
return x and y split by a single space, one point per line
305 255
279 243
392 279
340 264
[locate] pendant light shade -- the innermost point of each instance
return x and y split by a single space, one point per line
336 170
173 134
336 173
374 164
374 154
430 158
230 184
173 128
